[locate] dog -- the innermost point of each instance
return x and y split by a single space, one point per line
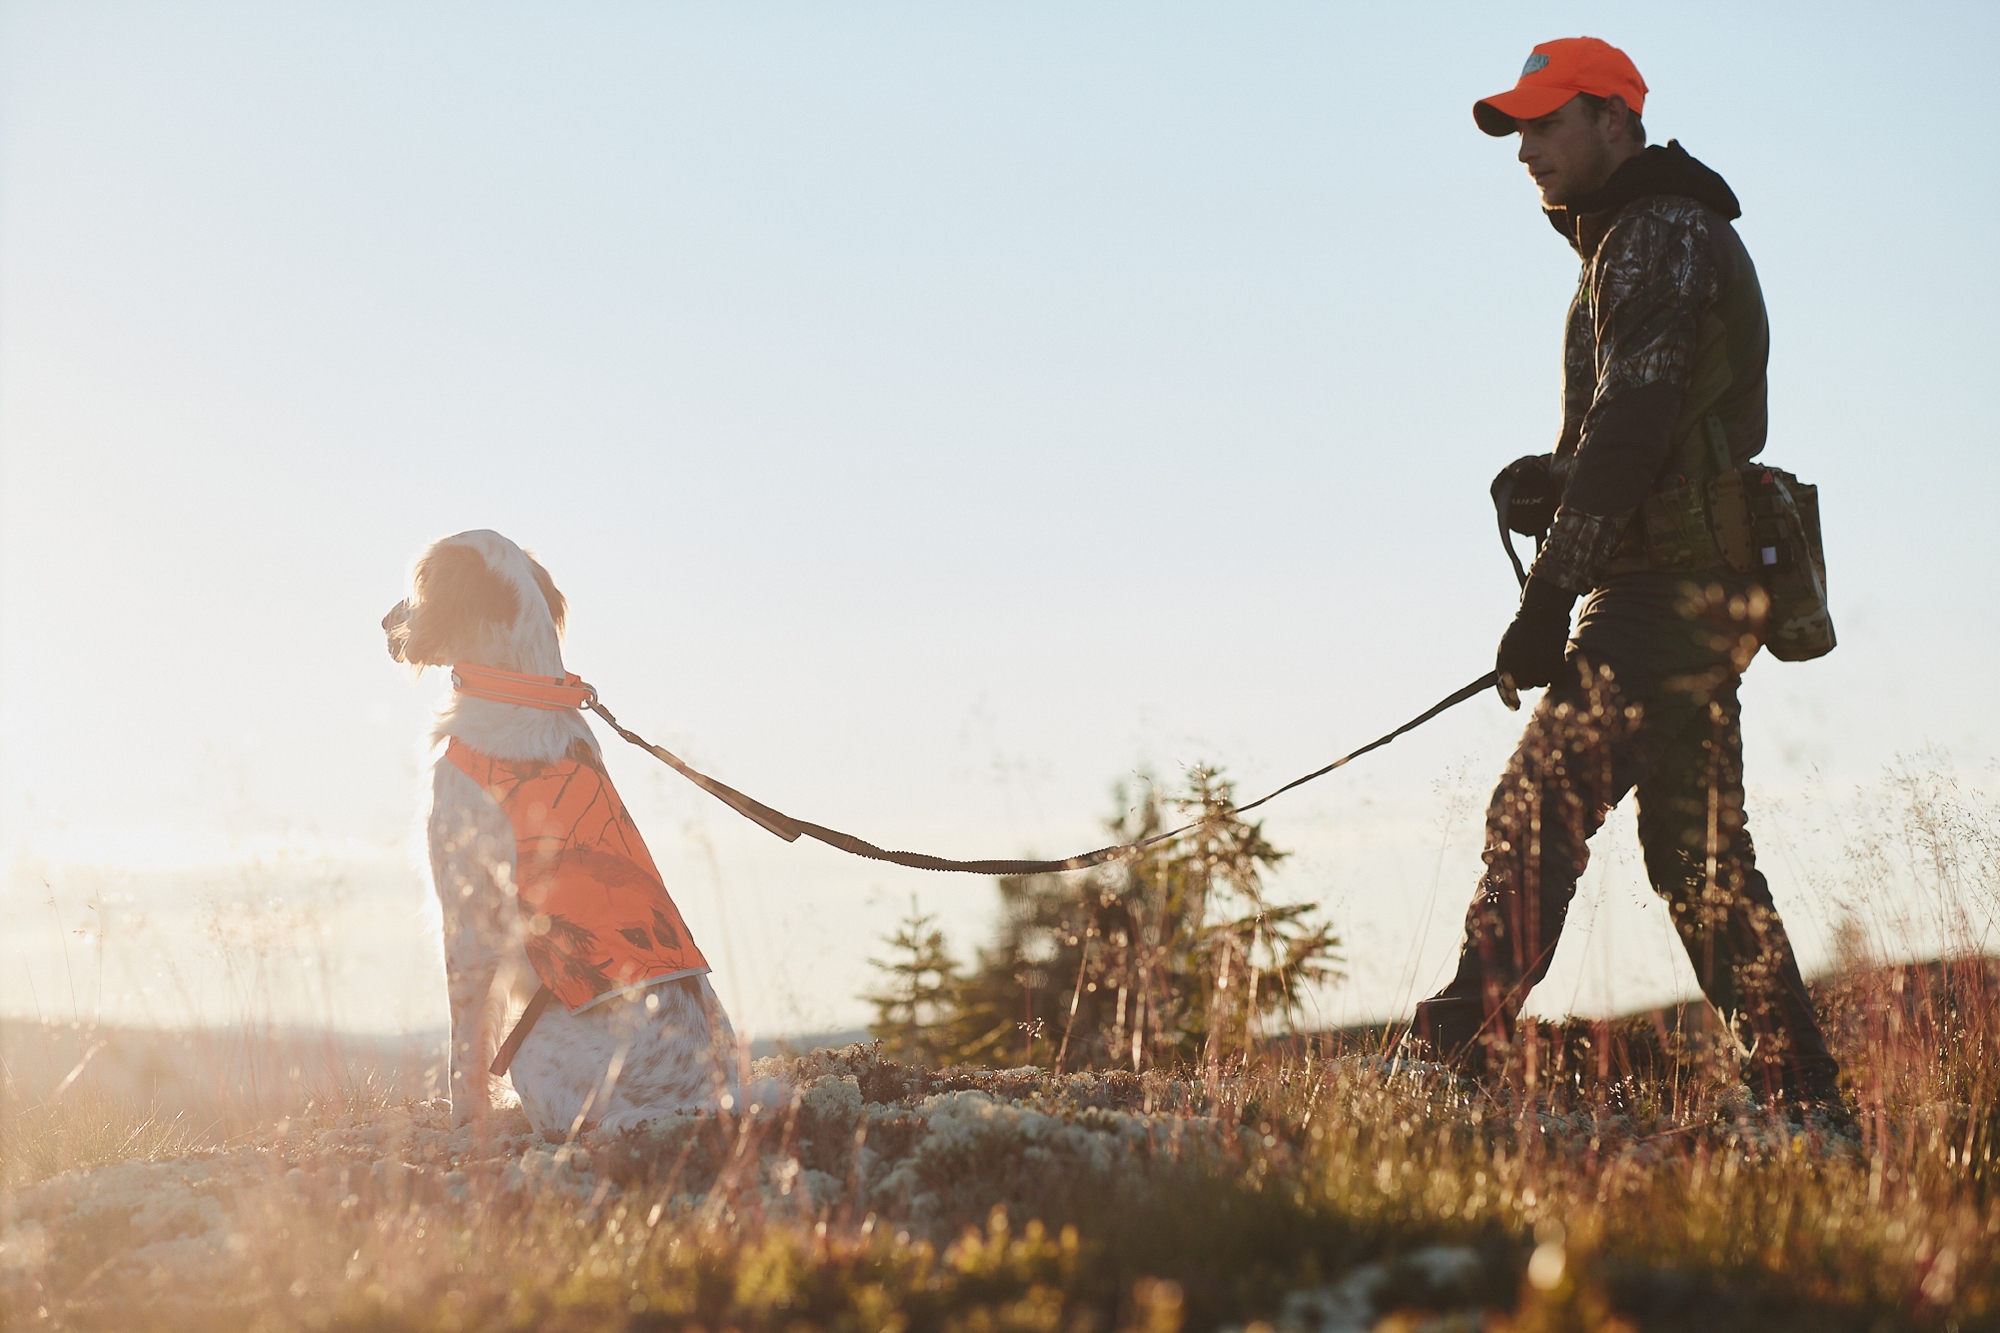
625 1040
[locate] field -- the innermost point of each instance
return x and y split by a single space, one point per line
1626 1182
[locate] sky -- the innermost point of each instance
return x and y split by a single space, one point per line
935 414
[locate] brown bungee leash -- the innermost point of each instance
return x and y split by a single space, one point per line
570 692
791 829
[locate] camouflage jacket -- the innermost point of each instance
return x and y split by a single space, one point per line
1666 331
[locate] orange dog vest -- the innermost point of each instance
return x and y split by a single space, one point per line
599 918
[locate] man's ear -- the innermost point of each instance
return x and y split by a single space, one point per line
1617 117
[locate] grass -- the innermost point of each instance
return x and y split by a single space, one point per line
1617 1178
892 1197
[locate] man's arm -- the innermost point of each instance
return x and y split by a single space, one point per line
1654 273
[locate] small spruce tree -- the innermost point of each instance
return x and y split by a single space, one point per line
1171 958
919 999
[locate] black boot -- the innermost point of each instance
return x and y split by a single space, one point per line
1812 1099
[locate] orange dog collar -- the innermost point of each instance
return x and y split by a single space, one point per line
513 687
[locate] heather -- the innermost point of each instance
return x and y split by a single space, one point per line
1236 1172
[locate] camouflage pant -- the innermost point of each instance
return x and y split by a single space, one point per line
1648 706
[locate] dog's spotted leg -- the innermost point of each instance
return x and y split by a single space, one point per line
472 863
477 1010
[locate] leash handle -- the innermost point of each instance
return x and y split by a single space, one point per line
791 829
1502 498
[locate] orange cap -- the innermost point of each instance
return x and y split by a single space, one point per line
1556 72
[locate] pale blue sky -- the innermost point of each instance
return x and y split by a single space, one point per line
932 412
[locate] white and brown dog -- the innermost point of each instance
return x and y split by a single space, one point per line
534 898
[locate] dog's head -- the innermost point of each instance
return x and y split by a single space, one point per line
479 598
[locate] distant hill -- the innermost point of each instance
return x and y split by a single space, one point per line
808 1041
229 1076
226 1077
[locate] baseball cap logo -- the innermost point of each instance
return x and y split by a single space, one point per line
1535 62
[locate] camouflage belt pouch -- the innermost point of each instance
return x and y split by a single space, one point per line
1766 523
1759 521
1673 529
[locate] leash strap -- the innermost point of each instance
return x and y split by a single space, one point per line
570 692
1503 496
792 829
509 1047
1501 499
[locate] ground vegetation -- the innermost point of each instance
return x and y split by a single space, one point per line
1613 1175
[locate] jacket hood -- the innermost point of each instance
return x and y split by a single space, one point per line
1656 170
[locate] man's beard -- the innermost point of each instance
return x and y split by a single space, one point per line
1583 180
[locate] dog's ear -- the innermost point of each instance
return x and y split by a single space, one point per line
456 596
558 604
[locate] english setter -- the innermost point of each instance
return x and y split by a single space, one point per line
627 1037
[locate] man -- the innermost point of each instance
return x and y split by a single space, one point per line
1663 388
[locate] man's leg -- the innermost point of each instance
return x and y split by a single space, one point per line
1700 859
1565 773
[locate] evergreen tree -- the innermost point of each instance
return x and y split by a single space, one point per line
913 1011
1166 959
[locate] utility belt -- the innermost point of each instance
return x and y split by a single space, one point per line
1759 521
1712 515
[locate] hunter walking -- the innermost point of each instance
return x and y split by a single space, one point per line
1650 512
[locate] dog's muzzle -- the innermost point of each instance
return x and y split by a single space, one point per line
393 626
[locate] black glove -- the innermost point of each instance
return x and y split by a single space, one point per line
1531 651
1529 492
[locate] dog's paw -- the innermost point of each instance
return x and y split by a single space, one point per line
481 1112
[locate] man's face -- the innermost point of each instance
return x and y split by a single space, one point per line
1569 152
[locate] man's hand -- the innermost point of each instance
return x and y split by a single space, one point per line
1526 494
1531 651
